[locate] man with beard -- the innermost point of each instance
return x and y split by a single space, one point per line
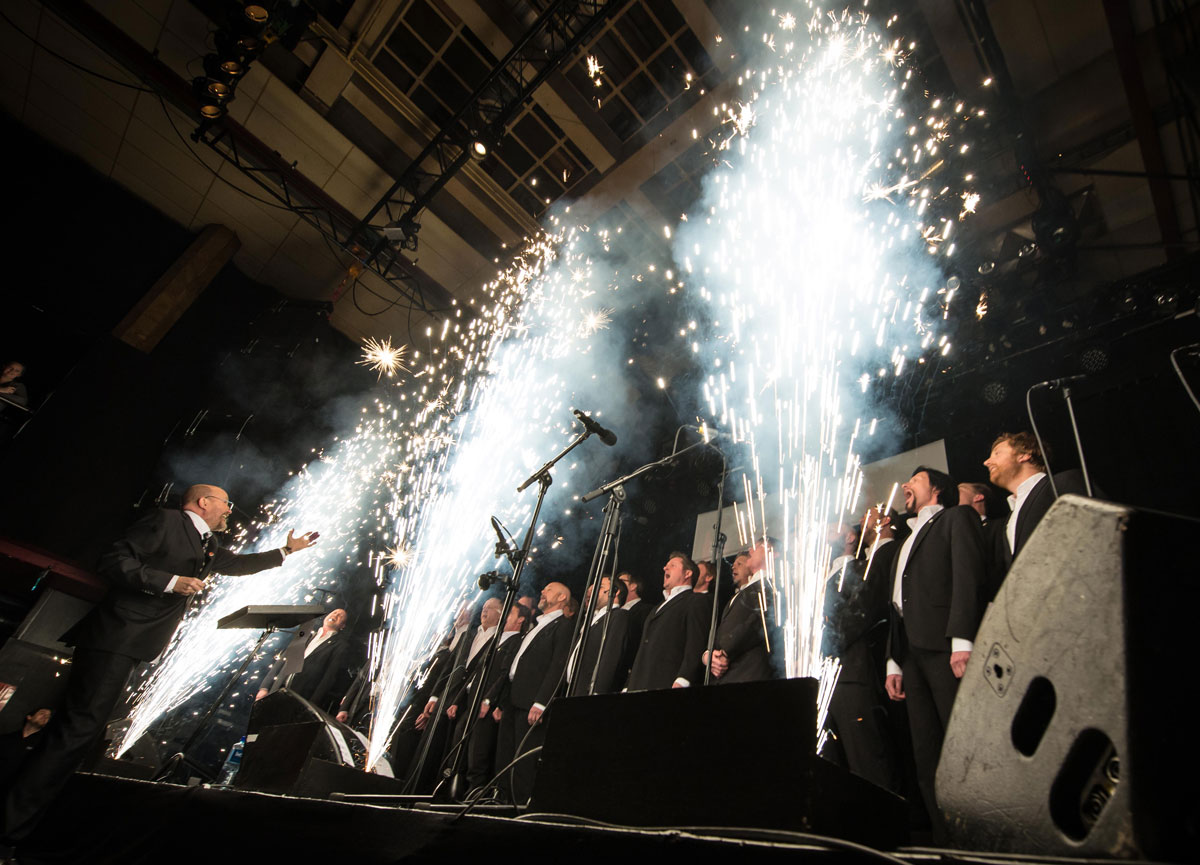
1016 464
743 649
532 682
938 591
153 571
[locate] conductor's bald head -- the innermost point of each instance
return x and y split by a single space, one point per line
211 503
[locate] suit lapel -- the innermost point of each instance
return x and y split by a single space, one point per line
1041 488
922 534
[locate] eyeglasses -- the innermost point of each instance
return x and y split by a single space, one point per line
218 498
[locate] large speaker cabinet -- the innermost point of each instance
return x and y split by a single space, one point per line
1074 729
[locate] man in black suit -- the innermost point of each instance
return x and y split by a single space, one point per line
938 591
320 654
162 561
1017 465
855 602
611 629
481 750
675 634
743 649
532 682
409 743
638 607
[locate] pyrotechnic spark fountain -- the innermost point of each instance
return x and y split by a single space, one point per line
804 259
337 494
504 414
813 258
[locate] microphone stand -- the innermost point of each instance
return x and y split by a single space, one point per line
610 530
451 787
717 554
1087 481
616 491
1066 389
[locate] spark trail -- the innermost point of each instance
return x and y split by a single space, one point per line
815 257
517 369
340 495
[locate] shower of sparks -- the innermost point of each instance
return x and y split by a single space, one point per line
382 357
814 259
815 255
510 382
333 495
594 69
595 320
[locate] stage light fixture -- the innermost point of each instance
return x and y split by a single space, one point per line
1094 359
242 49
212 111
995 392
256 14
226 70
479 149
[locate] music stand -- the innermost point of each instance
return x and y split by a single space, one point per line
269 618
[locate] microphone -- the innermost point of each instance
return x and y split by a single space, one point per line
605 435
501 543
1059 382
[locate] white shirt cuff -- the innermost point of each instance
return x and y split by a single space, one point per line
683 683
958 644
893 669
431 700
539 707
171 585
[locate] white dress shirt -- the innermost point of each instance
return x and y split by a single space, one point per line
1014 504
481 638
321 637
957 644
537 629
205 533
674 593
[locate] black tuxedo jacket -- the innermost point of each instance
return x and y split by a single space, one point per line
319 673
860 605
136 617
673 640
540 670
944 586
1040 498
638 614
497 680
612 672
741 637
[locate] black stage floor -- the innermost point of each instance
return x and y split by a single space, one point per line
102 819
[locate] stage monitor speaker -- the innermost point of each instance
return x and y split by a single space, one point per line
733 755
293 747
1073 732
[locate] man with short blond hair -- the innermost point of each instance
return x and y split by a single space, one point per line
674 635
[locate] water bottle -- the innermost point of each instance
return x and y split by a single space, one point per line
232 763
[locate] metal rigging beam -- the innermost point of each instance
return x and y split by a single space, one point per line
559 31
255 159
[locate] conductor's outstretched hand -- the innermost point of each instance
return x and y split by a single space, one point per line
296 544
